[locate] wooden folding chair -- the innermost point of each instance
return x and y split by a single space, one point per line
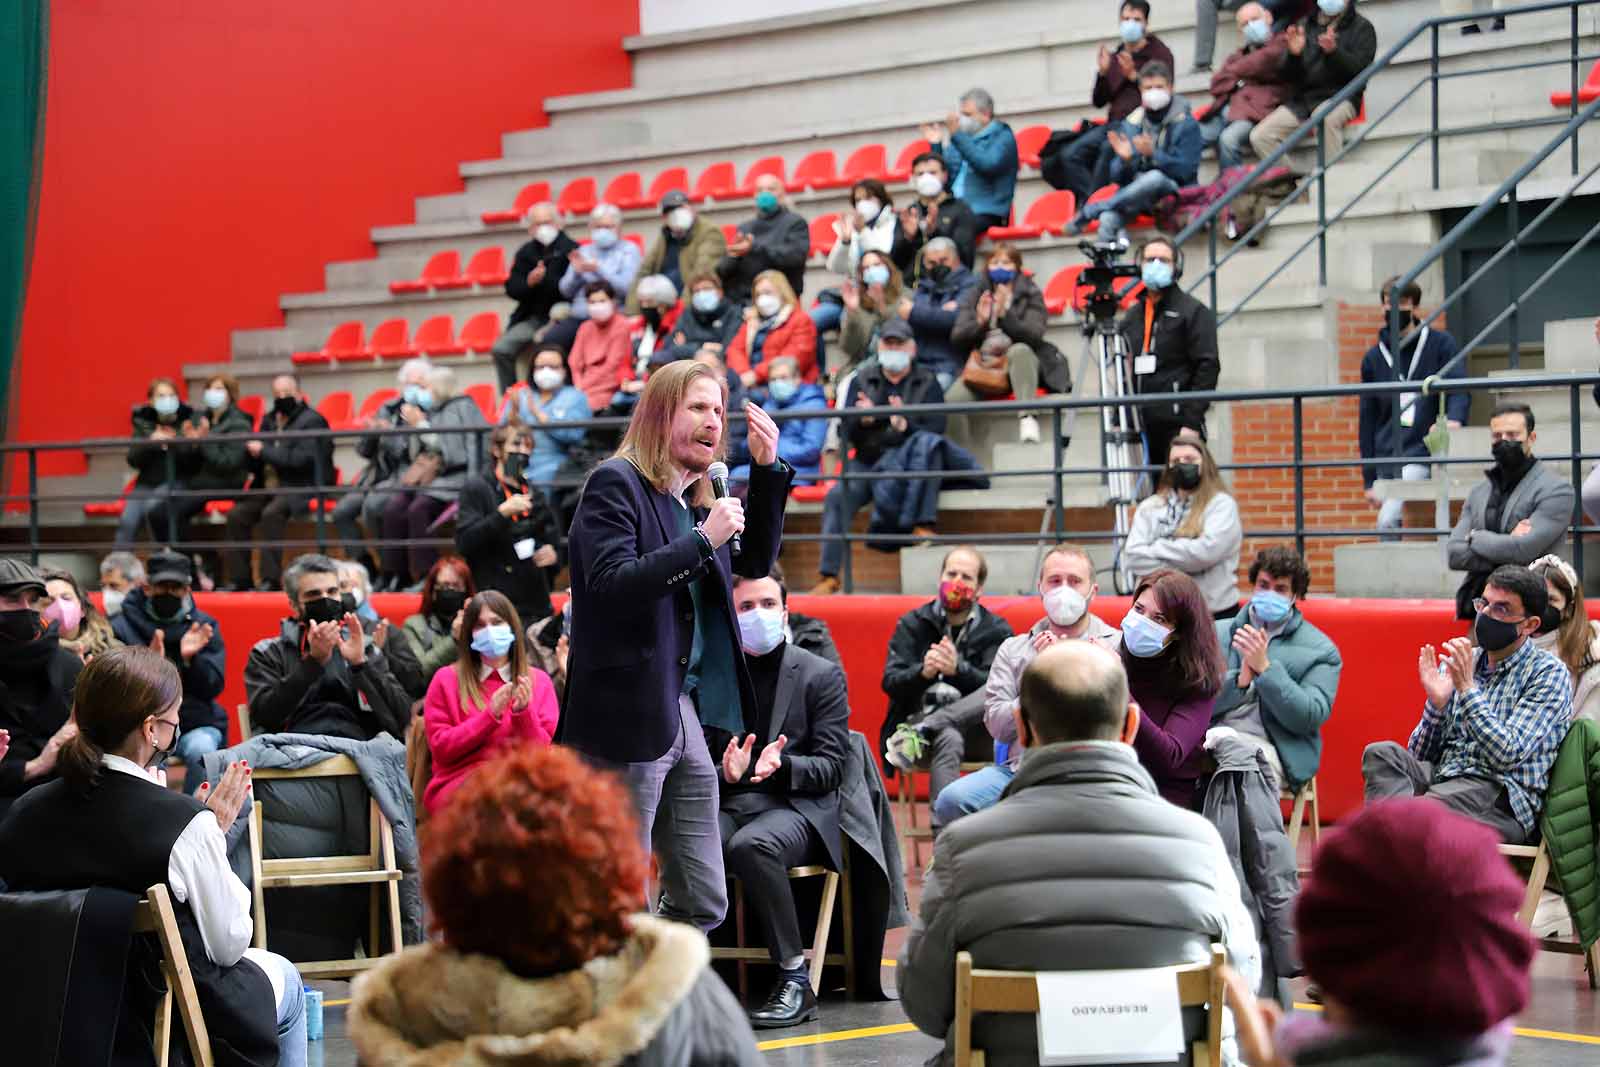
1537 857
244 722
834 887
1017 992
153 915
905 797
376 867
1305 799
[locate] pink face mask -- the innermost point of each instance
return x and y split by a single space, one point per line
66 612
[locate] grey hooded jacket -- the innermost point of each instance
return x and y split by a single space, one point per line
1080 866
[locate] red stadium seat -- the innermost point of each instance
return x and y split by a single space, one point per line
1588 92
328 503
487 267
109 509
1061 291
578 198
253 406
339 408
637 239
902 163
344 340
1048 214
480 332
389 340
374 403
530 195
441 269
626 191
437 337
868 161
716 182
765 165
730 230
816 171
1029 140
822 236
668 180
482 394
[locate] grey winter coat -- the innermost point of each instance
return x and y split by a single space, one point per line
1212 559
1080 864
462 452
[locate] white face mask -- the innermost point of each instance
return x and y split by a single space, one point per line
1065 605
216 399
546 234
895 361
600 312
868 207
680 219
768 305
760 630
1155 99
113 599
929 184
548 379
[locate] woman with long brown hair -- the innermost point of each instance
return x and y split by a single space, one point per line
107 822
1175 669
83 629
1566 630
490 698
1190 524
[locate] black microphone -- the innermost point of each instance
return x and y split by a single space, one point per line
718 473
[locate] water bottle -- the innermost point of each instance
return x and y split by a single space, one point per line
313 1014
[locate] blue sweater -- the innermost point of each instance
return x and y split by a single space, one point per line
799 440
550 446
983 168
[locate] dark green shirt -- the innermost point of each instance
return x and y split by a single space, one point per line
712 680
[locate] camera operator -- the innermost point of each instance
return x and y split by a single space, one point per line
1172 342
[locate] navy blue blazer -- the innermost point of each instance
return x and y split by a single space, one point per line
632 615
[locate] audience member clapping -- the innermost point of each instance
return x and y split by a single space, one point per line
656 297
936 212
322 674
931 309
1324 52
488 699
1175 668
355 595
431 632
605 257
388 457
1248 87
165 424
776 239
981 152
543 836
119 573
549 401
868 226
81 626
1082 864
1283 672
774 327
110 823
868 300
161 614
799 440
1408 927
506 529
534 282
602 349
1566 630
1190 524
686 247
221 429
36 680
709 319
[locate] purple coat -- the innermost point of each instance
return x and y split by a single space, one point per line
1172 727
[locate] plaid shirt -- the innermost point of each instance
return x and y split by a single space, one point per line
1508 727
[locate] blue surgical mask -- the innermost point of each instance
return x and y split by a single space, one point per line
706 300
1270 608
418 396
1331 8
877 274
766 202
166 405
893 361
783 389
760 630
603 237
1132 31
1143 637
1257 31
493 641
1002 275
216 399
1157 273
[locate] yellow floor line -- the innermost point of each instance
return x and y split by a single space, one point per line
837 1035
1558 1035
335 1003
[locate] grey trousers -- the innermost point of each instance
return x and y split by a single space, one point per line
1591 495
948 731
368 507
1205 28
677 799
1390 770
508 347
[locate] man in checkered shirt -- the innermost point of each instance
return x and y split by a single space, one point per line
1495 716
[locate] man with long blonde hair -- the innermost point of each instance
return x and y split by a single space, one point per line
655 641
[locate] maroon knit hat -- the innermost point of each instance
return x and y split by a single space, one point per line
1409 919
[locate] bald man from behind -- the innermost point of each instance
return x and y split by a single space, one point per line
1081 862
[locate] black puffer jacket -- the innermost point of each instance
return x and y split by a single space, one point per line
919 630
203 676
149 457
1315 75
289 692
224 463
1183 336
296 461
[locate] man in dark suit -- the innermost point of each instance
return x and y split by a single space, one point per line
655 651
780 785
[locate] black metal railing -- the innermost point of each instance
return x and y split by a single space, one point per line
1056 410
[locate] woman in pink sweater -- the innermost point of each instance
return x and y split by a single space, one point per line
603 349
487 699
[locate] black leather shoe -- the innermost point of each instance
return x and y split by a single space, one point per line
790 1003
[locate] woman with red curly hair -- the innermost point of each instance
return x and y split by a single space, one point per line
581 976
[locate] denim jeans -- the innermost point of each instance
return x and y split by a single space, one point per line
137 507
838 508
1137 196
974 792
825 316
192 744
1230 138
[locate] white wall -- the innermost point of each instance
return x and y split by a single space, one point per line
670 16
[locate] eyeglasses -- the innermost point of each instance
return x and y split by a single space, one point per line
1497 610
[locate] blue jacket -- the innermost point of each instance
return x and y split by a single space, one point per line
799 440
983 168
550 446
932 323
1178 145
898 506
1377 412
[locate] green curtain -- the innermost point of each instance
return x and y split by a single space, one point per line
24 48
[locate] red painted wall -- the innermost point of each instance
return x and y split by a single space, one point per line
201 159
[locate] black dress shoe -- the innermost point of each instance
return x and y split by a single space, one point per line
791 1002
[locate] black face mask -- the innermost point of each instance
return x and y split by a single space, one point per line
446 602
1549 620
1508 455
1185 476
19 625
347 601
160 756
514 469
165 607
1494 635
652 316
285 405
938 272
322 609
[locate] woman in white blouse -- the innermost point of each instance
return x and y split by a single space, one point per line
108 821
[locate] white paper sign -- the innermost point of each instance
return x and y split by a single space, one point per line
1145 364
1091 1017
524 548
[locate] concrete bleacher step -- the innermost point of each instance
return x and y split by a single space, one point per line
1013 569
1419 568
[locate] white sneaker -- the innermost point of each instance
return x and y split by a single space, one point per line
1028 430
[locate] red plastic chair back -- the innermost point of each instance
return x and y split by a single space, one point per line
1105 192
822 236
530 195
578 198
374 403
442 269
253 406
1052 211
816 171
766 165
626 191
480 332
339 408
868 161
1062 292
668 180
730 230
344 341
716 182
437 337
391 340
902 163
487 267
636 240
482 394
1029 140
